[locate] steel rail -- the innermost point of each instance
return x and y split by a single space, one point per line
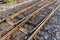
44 22
22 11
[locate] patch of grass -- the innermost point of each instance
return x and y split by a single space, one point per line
10 1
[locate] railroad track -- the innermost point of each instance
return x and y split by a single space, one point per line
14 7
48 29
5 28
8 25
10 12
31 21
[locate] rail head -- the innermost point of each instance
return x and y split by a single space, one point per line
45 21
26 9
